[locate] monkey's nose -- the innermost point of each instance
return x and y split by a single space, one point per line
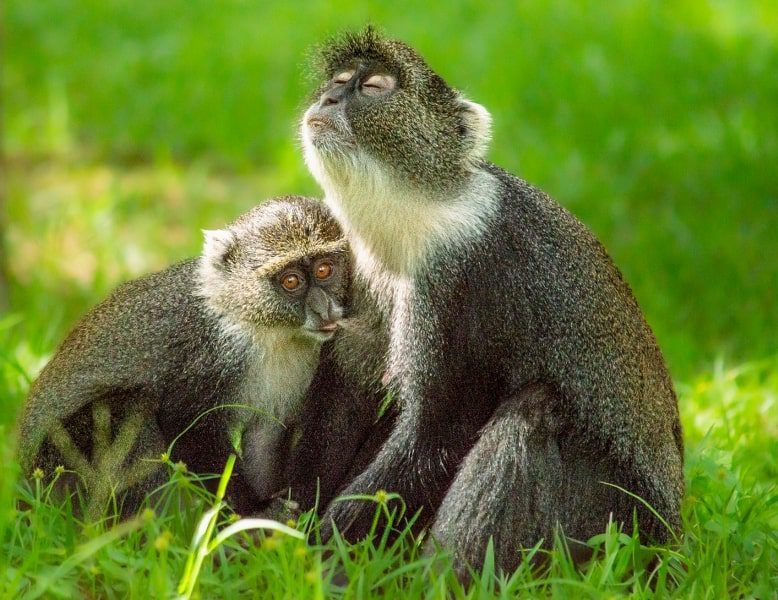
320 304
328 99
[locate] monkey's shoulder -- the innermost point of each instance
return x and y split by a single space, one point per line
164 293
145 325
534 235
569 291
530 214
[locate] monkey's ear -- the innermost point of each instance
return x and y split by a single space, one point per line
218 246
477 123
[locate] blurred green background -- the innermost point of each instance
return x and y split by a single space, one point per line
129 126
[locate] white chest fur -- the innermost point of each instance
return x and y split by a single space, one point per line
278 375
393 233
394 227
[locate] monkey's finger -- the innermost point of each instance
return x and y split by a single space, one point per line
72 456
101 416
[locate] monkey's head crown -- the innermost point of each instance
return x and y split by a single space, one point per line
241 263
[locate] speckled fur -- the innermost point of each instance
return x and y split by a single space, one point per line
390 130
525 372
203 333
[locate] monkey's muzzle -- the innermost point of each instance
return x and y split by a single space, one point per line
324 332
321 123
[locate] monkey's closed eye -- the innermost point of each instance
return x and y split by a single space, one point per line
378 84
343 77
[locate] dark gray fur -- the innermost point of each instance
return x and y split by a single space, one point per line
525 372
340 431
151 346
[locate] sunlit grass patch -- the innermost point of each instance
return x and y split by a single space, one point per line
731 506
95 224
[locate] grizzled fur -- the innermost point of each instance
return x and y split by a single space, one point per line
525 373
162 350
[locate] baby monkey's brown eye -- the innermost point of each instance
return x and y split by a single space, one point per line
291 282
324 270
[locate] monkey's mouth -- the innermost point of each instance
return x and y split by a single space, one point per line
324 332
329 327
319 123
326 132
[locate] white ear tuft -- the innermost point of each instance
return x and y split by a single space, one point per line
479 123
218 243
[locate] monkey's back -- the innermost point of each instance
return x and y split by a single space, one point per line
572 322
151 346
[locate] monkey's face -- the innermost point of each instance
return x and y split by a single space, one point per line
283 265
311 294
379 100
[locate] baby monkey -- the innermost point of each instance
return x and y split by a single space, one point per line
215 347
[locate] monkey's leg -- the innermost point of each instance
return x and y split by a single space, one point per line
522 481
122 464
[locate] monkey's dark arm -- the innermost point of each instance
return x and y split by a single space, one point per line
337 428
439 420
417 461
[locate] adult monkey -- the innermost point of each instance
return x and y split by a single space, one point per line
525 372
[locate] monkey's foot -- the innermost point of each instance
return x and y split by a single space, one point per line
281 509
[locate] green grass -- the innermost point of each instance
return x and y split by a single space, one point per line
728 548
128 127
